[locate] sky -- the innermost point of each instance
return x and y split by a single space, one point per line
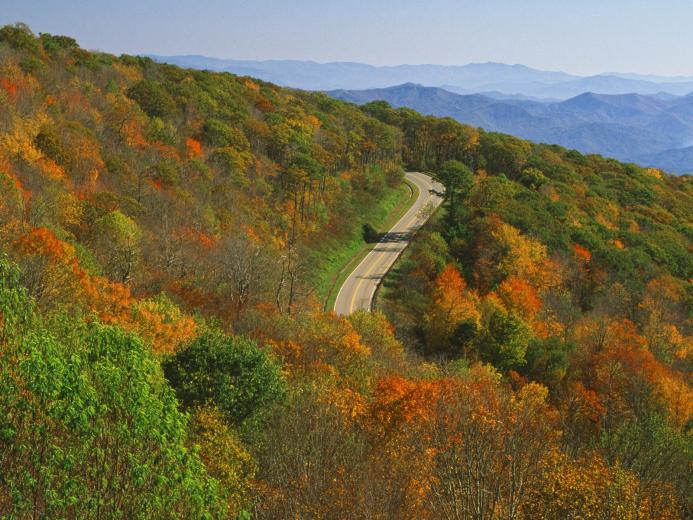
577 36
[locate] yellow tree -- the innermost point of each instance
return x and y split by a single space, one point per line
452 303
589 488
225 458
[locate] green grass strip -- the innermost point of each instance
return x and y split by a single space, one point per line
338 263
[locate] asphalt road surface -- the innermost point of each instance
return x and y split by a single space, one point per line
358 290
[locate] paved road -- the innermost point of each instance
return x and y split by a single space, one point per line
359 288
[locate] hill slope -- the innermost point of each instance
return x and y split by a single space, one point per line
162 354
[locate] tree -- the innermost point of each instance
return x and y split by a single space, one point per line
193 148
245 272
19 36
458 180
451 304
504 153
219 134
152 98
533 178
387 353
310 459
548 361
226 459
517 294
56 42
118 239
51 147
656 453
459 447
311 344
242 380
590 488
489 444
503 339
429 254
502 251
161 323
50 270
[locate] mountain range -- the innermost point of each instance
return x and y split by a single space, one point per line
471 78
649 130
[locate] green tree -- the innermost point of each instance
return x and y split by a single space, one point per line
57 42
218 133
118 240
533 178
504 339
19 36
654 451
51 147
548 360
504 153
152 98
242 380
458 179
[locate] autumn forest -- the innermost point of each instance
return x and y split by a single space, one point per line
167 250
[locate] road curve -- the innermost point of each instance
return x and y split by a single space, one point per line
357 291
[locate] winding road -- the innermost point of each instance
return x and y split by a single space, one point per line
358 290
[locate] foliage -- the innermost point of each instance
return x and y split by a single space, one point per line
89 425
504 340
152 98
225 458
533 359
556 259
233 374
458 180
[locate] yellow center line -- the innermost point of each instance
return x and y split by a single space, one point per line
358 286
375 263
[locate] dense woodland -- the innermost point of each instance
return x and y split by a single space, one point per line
164 354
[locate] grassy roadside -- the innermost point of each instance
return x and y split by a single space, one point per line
338 263
393 276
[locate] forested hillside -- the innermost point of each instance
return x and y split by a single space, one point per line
568 271
163 353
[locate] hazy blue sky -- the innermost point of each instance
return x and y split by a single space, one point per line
579 36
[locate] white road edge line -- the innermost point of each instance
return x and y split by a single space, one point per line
423 192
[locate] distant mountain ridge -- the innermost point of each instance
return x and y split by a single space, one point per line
517 80
628 127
